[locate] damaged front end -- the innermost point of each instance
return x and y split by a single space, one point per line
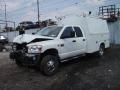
23 53
17 49
29 49
20 53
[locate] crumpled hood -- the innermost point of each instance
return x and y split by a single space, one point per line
26 38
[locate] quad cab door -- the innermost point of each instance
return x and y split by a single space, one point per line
80 41
73 42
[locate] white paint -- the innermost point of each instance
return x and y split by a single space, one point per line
96 31
27 38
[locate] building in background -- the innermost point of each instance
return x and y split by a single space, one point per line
111 13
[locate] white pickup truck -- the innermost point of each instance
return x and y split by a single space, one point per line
71 38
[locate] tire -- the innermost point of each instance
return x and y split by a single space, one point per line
100 53
1 49
49 65
18 63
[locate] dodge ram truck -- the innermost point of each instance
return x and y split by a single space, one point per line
71 38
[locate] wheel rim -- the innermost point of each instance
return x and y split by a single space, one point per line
50 65
101 52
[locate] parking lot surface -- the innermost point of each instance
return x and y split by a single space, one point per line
86 73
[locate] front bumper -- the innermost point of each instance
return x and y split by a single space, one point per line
25 58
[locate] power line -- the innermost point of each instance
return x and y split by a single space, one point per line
42 7
55 8
6 15
18 10
67 6
38 11
5 12
47 5
25 7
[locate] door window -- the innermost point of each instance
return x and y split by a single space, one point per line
68 33
78 32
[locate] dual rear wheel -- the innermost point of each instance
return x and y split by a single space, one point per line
100 53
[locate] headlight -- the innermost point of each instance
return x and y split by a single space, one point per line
34 49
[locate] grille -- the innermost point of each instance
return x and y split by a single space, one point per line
18 47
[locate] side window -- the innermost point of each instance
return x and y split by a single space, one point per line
68 33
78 32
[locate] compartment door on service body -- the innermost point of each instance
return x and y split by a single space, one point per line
80 41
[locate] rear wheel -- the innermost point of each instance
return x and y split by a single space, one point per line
49 65
100 53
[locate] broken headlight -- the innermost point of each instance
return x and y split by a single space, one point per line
34 49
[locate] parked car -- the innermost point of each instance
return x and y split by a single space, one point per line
72 38
3 39
25 25
1 47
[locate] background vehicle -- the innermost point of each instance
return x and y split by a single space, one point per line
3 41
25 25
73 37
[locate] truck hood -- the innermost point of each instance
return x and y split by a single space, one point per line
26 38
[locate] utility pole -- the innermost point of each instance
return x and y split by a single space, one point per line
6 20
38 12
6 16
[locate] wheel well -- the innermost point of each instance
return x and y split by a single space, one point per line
51 52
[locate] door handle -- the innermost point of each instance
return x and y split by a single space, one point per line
74 41
83 39
62 45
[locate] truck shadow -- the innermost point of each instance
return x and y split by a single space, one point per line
88 61
86 72
75 72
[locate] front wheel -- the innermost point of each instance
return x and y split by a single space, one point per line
49 64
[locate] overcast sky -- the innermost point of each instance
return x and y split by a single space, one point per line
22 10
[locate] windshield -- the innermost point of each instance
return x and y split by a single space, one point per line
50 31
